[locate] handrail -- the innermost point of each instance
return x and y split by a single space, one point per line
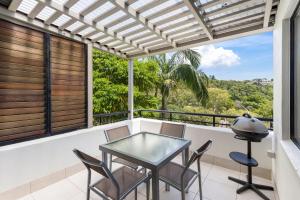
105 118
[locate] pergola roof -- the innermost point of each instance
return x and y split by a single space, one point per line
135 28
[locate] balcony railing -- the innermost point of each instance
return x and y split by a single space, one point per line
215 120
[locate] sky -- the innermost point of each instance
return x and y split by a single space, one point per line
244 58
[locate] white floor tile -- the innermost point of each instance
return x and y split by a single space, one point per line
27 197
62 190
220 174
218 191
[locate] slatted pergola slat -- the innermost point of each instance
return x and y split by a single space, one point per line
146 27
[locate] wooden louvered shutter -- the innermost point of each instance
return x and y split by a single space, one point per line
22 80
68 85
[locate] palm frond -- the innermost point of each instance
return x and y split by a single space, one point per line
187 56
194 80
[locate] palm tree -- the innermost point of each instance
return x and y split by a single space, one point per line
181 66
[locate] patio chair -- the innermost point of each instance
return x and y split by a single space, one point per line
114 185
182 177
116 134
174 130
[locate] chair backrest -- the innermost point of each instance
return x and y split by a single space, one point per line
175 130
93 163
116 133
199 152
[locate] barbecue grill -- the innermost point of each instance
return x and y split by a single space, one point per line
251 130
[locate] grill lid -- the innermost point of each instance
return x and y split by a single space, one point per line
248 126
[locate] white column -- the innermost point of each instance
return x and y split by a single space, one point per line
130 89
90 84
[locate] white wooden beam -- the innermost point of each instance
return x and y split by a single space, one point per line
229 7
204 41
14 4
150 5
92 7
144 21
192 7
90 84
162 12
23 20
267 12
67 24
70 3
104 15
58 8
79 29
130 89
37 9
53 17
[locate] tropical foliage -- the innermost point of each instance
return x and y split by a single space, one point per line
111 79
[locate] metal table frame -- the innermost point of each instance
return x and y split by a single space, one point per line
153 166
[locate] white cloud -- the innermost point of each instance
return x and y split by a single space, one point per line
217 57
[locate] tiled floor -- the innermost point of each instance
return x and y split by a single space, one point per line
216 186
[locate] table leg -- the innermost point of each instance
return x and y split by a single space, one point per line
104 157
155 184
186 156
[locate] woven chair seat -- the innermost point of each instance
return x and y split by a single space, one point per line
126 177
171 173
127 163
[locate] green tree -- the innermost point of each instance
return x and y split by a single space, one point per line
110 83
181 66
219 101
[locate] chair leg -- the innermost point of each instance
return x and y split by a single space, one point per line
88 185
182 195
135 194
199 179
110 162
148 189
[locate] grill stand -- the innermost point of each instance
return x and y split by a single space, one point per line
250 162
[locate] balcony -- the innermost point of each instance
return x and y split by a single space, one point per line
46 107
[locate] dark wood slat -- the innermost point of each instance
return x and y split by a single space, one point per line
61 42
18 111
67 93
21 92
66 88
26 61
21 130
67 58
23 98
69 82
68 98
23 86
21 36
72 102
12 37
67 77
68 117
19 124
22 67
20 73
6 105
58 51
22 135
67 107
70 112
20 54
17 28
12 118
68 72
67 62
55 66
20 48
5 78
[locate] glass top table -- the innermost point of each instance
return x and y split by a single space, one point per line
149 150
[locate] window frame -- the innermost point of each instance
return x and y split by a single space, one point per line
292 77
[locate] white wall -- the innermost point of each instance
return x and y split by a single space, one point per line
223 141
285 172
24 162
